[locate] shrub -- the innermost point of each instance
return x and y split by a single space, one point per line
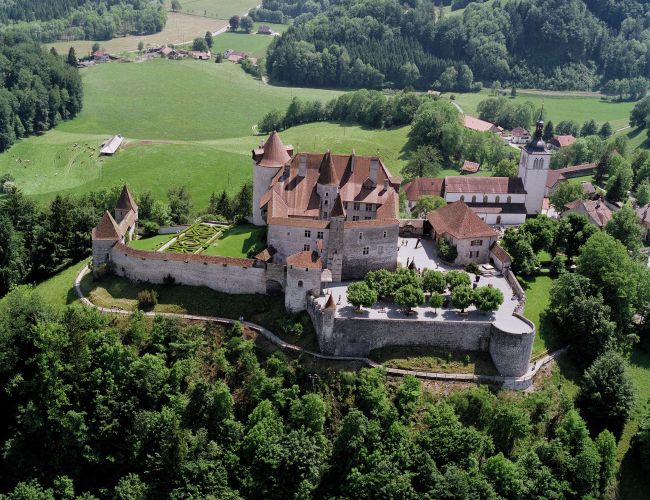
558 265
147 299
462 297
360 294
433 281
290 326
380 281
447 251
149 228
487 299
457 278
473 268
169 280
436 300
409 297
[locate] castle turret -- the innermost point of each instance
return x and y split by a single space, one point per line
104 236
125 204
533 169
267 162
327 186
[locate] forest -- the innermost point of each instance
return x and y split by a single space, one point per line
37 91
45 21
549 44
152 408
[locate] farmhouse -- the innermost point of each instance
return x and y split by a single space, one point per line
110 147
562 141
479 125
101 56
520 135
234 55
201 56
343 206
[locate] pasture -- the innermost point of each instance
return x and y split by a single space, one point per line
180 28
220 9
558 106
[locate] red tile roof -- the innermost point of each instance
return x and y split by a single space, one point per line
563 140
126 201
107 229
328 176
643 213
306 259
273 153
423 186
478 124
458 220
500 253
561 174
487 185
597 211
520 132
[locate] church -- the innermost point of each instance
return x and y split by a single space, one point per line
499 201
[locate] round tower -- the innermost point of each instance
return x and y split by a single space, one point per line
267 162
534 165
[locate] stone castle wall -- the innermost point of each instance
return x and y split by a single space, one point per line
510 352
381 242
224 274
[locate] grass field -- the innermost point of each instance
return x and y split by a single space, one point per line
559 108
252 43
537 290
179 28
237 241
58 291
221 9
151 242
424 358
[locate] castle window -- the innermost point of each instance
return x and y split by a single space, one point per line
306 247
477 243
324 215
385 234
497 199
326 194
366 250
462 197
326 202
474 199
300 283
288 233
355 217
345 205
485 199
509 199
307 233
357 206
367 218
368 207
360 236
498 219
319 235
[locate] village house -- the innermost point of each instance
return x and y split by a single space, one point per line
264 30
562 141
560 175
458 225
200 55
519 135
101 56
235 55
596 211
344 207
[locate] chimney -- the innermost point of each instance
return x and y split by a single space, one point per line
285 174
302 169
353 159
374 166
385 184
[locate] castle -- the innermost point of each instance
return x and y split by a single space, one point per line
333 218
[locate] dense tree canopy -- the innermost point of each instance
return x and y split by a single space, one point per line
557 44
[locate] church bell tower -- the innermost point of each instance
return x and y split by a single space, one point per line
534 165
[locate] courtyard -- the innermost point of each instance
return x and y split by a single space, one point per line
425 257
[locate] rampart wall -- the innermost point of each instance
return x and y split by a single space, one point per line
510 352
224 274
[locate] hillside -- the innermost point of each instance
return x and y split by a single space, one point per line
552 44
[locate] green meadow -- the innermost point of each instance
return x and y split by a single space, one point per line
558 107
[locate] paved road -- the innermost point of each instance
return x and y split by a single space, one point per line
520 383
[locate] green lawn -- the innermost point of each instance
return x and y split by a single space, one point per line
537 290
252 43
424 358
220 9
237 241
151 242
559 108
58 291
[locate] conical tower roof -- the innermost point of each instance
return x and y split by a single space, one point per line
330 303
126 201
107 228
328 175
275 153
337 209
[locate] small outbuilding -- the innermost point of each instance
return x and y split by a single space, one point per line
110 147
470 167
264 30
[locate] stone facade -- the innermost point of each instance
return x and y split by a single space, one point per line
366 248
473 250
510 352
